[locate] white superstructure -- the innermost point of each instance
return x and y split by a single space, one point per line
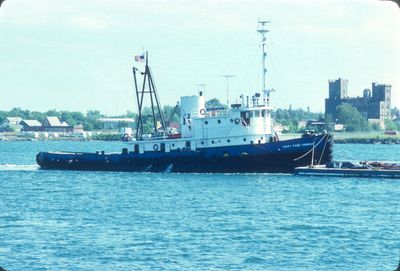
249 122
242 124
191 106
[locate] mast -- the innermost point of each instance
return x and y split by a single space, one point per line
156 108
263 31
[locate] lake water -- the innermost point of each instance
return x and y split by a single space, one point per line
69 220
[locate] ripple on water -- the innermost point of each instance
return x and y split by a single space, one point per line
59 220
14 167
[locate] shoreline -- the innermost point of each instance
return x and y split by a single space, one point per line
385 141
358 138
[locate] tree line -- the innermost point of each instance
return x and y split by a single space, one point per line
353 120
91 119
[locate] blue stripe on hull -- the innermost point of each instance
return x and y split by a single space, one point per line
269 157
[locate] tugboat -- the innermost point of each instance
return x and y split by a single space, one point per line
241 138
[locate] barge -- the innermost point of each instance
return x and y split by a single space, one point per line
349 169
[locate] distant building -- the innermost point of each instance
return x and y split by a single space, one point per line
12 123
12 120
53 124
312 125
319 125
302 124
338 127
78 128
115 123
338 88
31 126
374 105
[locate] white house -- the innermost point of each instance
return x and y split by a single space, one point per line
12 122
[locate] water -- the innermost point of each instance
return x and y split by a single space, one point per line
69 220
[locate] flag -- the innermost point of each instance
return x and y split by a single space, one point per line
139 58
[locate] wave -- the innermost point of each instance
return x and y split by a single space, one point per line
14 167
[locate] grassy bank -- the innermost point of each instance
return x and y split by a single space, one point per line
107 137
376 137
365 138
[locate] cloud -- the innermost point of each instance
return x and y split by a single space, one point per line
45 13
89 23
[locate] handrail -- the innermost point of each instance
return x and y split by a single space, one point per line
214 113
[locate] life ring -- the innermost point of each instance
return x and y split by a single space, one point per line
237 120
202 111
155 147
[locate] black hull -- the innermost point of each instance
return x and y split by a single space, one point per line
281 156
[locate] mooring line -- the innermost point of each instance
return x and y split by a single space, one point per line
313 148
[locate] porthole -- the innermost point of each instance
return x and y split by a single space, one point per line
219 121
202 142
212 141
228 140
244 139
173 145
206 122
231 120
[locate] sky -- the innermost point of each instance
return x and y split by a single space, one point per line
78 55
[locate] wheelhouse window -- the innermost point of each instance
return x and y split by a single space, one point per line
245 115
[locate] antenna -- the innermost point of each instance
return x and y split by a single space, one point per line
202 86
227 76
262 24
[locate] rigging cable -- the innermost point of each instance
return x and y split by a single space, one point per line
312 149
322 153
